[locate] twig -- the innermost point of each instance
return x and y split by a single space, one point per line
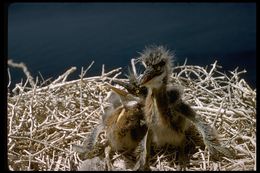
9 78
24 68
64 76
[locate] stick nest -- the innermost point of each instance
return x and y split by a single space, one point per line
43 121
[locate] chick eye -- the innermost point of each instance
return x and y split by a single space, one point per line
162 63
159 66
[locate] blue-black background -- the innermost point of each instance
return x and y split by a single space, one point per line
51 37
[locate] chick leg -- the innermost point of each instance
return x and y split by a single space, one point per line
90 141
108 164
182 159
143 162
208 133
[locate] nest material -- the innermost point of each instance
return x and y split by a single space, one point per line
43 122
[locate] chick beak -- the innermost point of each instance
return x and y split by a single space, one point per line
120 92
149 74
124 96
130 88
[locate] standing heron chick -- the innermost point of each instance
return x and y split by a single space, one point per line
168 118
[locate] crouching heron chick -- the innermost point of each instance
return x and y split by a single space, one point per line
167 116
122 122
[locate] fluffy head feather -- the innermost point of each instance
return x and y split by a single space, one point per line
153 55
158 64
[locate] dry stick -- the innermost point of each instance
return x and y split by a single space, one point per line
212 69
80 88
102 71
62 78
20 125
250 153
114 77
203 159
133 67
58 85
11 118
20 88
210 76
31 120
14 106
236 74
39 152
172 169
69 119
41 77
237 87
227 112
198 102
9 78
44 143
218 113
208 158
40 160
185 62
29 159
191 69
67 160
91 64
48 161
59 139
30 108
83 73
52 163
159 161
24 68
58 164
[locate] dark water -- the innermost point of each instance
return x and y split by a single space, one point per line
52 37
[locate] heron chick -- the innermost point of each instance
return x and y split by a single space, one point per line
167 116
122 122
